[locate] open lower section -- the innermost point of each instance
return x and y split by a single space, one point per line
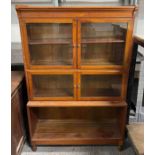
75 125
75 130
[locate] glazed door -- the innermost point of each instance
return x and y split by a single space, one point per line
101 43
50 43
52 85
100 85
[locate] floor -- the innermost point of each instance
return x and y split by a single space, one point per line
79 150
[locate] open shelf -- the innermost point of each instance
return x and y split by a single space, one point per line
101 40
76 104
50 41
74 131
75 125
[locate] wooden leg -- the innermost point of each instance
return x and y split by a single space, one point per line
34 148
120 147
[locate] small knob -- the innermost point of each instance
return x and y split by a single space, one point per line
78 86
77 46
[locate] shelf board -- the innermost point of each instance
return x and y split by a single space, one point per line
99 92
63 92
69 41
72 131
52 63
50 41
87 62
101 40
76 104
92 62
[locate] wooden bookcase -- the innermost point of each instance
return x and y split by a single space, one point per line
76 64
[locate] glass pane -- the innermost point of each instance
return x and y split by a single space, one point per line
51 55
52 85
100 85
103 43
50 44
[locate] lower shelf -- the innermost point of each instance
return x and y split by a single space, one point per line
98 92
76 122
56 92
52 63
70 132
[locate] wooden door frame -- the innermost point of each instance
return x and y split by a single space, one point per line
50 72
128 42
26 52
101 72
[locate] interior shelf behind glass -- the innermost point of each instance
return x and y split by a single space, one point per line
102 54
51 33
103 43
52 85
54 55
103 32
100 85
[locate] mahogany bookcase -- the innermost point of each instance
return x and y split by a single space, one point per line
76 63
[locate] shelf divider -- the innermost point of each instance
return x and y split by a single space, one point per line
102 40
50 41
76 104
